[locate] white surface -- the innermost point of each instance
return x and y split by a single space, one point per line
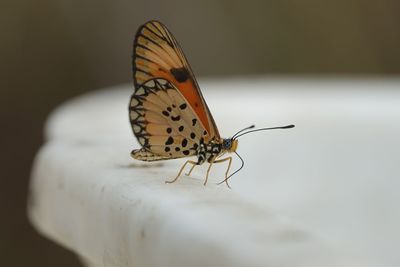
322 194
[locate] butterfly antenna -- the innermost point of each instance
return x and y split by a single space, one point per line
250 127
264 129
241 167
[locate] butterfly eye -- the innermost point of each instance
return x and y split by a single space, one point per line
227 143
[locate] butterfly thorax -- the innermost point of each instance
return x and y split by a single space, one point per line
208 151
215 147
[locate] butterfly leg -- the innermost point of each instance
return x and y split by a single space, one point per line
179 174
191 169
227 170
208 171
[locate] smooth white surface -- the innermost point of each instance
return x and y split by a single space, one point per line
322 194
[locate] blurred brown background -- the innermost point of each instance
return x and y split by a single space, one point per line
53 50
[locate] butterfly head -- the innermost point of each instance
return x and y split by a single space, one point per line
230 144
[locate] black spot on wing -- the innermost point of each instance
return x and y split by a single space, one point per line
177 118
169 141
184 142
180 74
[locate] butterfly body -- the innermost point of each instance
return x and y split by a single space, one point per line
206 152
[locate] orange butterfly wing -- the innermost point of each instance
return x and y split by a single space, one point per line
156 54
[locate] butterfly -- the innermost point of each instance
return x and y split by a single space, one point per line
167 111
